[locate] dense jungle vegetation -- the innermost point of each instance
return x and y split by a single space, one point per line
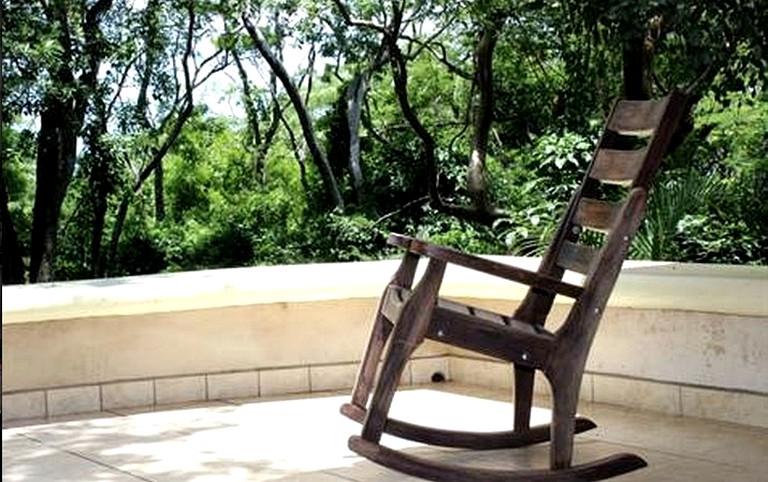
141 136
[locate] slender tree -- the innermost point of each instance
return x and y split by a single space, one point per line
299 105
62 115
194 74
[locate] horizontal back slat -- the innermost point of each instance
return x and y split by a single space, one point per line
617 166
637 117
576 257
597 215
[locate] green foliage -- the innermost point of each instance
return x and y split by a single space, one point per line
670 204
556 67
537 185
460 234
18 153
142 251
344 238
710 209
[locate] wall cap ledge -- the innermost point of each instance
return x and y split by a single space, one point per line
737 290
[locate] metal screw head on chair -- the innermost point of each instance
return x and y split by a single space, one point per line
525 356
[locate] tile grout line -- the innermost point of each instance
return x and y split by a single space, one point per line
342 477
46 412
84 456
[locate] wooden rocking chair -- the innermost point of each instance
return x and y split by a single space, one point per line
611 199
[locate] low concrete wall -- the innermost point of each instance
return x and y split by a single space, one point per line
685 339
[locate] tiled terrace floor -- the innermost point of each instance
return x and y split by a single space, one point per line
304 439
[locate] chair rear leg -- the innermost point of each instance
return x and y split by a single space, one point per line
524 377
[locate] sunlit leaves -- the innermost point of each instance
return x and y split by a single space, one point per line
557 65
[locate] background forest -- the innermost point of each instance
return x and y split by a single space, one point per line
141 136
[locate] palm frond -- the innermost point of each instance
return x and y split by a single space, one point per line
668 204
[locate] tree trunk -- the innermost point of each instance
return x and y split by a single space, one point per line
61 119
355 94
56 151
101 182
97 234
186 103
400 78
399 69
301 111
159 192
261 144
146 172
252 115
636 69
13 265
477 179
117 232
101 188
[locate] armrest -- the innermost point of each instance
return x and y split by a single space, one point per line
477 263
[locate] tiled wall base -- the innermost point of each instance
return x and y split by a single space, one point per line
730 406
670 398
56 402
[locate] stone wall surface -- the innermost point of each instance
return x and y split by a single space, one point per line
678 338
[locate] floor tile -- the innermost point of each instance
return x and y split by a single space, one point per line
304 438
693 470
27 460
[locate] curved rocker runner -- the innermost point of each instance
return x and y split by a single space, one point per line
469 440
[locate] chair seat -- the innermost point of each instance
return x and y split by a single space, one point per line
487 332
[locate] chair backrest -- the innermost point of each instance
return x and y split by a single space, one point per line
635 138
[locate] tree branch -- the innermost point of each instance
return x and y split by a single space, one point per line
421 200
296 152
454 69
358 23
400 77
477 178
185 112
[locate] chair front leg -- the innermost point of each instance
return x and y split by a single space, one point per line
524 377
409 333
